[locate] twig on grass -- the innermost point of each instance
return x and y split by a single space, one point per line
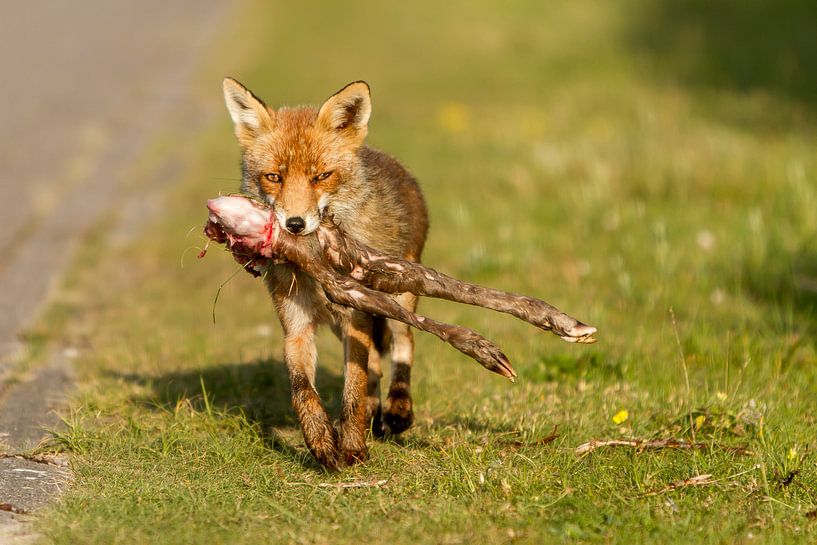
702 480
346 485
644 444
363 484
698 480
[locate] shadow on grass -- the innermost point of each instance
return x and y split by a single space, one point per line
260 389
739 45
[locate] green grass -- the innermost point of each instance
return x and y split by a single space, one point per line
561 157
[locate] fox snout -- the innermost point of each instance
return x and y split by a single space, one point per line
298 224
295 215
295 224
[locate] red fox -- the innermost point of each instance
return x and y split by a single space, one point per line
306 163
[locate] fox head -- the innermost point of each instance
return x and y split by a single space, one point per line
297 159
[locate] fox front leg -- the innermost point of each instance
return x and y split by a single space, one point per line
354 423
300 354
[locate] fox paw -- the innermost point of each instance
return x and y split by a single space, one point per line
355 456
322 442
399 415
327 457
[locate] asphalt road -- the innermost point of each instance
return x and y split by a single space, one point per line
84 86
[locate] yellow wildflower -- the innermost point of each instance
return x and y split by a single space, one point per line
620 416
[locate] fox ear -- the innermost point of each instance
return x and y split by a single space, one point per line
249 113
348 111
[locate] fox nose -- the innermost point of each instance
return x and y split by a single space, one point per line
295 225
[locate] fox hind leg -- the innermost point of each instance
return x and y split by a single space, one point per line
381 337
399 414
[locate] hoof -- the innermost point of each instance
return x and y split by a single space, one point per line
580 333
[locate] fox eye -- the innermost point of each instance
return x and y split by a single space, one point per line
322 176
273 177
